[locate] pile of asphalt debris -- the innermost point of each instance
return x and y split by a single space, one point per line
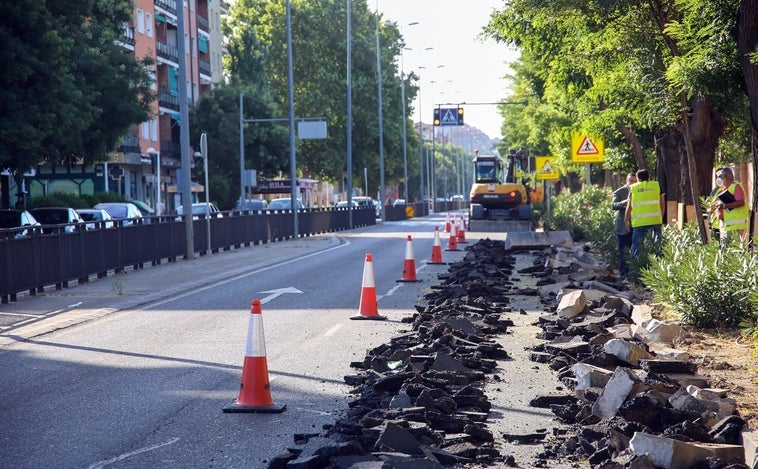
421 402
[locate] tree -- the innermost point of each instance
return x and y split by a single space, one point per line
319 36
658 76
69 92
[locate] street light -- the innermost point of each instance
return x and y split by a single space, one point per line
157 182
421 138
203 153
379 111
404 129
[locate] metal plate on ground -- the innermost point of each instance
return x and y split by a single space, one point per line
524 240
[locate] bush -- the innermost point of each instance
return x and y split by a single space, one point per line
705 285
65 199
586 214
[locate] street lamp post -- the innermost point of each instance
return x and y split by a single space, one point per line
157 182
204 155
379 111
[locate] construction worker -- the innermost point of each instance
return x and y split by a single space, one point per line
733 214
644 212
623 234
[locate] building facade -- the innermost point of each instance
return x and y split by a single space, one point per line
145 165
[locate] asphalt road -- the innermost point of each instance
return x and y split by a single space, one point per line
134 370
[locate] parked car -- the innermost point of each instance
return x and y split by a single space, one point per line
369 202
203 208
13 218
284 203
145 209
49 216
126 211
399 203
251 204
93 215
343 204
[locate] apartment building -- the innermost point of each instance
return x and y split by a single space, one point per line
148 162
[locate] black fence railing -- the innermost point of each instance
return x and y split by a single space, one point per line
32 261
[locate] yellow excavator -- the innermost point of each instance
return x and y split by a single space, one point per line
498 202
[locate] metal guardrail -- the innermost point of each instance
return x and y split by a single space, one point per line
40 260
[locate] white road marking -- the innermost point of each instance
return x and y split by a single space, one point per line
333 330
121 457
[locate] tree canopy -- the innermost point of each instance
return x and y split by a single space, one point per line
256 28
68 90
660 82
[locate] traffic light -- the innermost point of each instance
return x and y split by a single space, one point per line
437 117
460 116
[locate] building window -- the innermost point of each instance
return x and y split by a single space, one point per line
141 21
149 24
145 131
154 130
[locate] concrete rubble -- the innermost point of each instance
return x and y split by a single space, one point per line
635 401
640 402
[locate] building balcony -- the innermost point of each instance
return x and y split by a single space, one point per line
127 35
129 144
203 24
167 51
204 67
168 5
167 100
171 148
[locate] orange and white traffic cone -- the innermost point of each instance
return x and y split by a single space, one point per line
255 390
452 241
447 222
436 248
368 308
461 234
409 266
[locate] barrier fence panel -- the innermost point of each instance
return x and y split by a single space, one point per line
37 260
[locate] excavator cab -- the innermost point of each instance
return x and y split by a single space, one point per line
494 194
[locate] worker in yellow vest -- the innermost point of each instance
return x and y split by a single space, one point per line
732 211
644 211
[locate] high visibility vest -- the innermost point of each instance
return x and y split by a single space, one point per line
736 218
646 204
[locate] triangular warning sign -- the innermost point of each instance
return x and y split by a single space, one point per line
449 117
547 168
587 147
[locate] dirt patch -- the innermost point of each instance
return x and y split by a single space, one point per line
730 363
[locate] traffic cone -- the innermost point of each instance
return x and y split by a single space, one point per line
436 248
461 233
452 241
409 266
447 222
255 390
368 308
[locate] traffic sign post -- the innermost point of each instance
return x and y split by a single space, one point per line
546 169
586 149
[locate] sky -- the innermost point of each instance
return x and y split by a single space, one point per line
472 70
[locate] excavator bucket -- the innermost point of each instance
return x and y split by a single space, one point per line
526 240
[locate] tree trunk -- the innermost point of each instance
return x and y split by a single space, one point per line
747 40
706 128
631 137
668 149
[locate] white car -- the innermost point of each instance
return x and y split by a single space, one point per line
203 208
126 211
92 215
284 203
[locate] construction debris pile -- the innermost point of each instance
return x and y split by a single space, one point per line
637 401
421 400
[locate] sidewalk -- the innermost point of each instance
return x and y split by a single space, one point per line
52 309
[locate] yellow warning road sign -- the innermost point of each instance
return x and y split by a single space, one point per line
585 149
545 167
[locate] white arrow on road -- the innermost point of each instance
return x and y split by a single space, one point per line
277 293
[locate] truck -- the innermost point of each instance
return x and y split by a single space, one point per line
498 202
